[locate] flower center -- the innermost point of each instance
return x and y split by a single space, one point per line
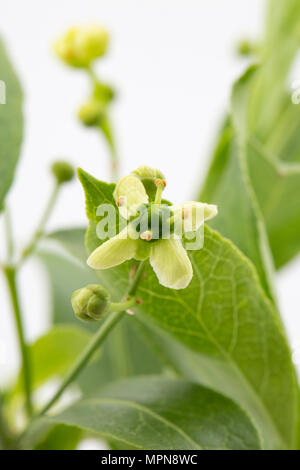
153 222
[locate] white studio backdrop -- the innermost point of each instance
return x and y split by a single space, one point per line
173 63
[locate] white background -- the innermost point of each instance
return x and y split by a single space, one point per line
173 63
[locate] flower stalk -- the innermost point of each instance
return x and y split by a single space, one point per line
39 232
10 274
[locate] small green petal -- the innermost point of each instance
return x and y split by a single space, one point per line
115 251
191 215
129 195
171 264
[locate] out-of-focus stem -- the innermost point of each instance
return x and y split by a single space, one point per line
10 274
41 226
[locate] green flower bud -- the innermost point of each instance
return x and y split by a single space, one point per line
79 46
246 48
148 176
103 92
91 303
91 113
62 171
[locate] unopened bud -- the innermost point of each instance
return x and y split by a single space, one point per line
91 303
246 48
148 176
79 46
103 92
91 113
62 171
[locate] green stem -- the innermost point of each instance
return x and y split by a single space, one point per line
92 75
38 234
159 191
10 274
97 339
121 306
106 130
9 236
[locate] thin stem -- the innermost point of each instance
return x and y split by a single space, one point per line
121 306
41 226
97 339
159 190
9 236
105 128
10 274
95 342
92 75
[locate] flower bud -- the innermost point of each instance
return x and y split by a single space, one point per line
103 92
91 113
246 48
148 176
62 171
91 303
79 46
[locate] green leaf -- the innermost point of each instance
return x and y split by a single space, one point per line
239 218
225 318
58 437
54 353
266 124
72 242
11 124
156 413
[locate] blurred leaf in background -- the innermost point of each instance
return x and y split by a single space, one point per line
264 131
11 123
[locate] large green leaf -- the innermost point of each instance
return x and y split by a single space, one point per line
239 217
266 125
225 318
59 437
11 124
156 413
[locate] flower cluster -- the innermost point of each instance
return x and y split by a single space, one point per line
79 46
155 229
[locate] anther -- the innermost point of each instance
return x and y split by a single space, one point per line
185 213
147 236
120 201
160 182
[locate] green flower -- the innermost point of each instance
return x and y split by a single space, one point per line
154 230
79 46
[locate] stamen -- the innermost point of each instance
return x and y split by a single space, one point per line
121 200
147 236
185 213
160 182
